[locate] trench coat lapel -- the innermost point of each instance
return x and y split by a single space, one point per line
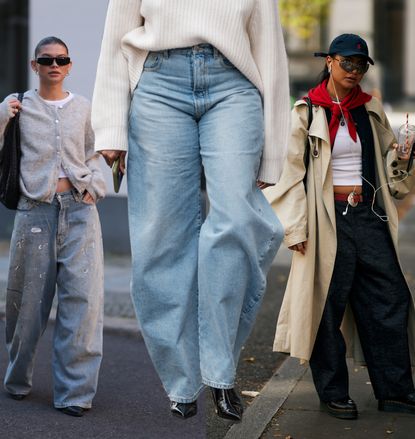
319 133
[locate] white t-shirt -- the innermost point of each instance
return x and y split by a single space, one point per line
60 104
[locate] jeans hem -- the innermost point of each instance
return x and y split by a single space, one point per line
187 400
389 396
217 385
334 398
69 404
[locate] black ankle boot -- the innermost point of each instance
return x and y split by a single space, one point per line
398 405
236 399
343 409
183 410
228 405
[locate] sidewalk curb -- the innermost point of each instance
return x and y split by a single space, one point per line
269 401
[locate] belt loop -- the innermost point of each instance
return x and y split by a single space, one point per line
216 53
166 53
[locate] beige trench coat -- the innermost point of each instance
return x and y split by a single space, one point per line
311 216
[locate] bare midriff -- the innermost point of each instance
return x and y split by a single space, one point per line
347 189
64 185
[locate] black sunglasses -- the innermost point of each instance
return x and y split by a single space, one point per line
48 61
349 66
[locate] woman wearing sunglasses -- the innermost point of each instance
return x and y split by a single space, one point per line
186 84
56 241
341 222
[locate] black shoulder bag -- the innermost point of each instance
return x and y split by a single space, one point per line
307 144
10 163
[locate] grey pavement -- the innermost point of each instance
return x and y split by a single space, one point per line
288 407
301 416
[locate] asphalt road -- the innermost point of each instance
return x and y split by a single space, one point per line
130 402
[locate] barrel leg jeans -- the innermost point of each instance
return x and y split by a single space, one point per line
197 284
56 247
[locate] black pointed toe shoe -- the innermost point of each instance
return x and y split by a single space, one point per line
183 410
72 410
228 405
398 405
343 409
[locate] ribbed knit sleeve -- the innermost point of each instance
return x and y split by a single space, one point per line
111 99
268 50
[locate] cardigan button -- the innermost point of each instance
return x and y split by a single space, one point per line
395 172
394 164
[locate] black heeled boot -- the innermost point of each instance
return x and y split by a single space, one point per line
183 410
228 405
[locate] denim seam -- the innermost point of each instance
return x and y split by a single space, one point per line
260 293
198 225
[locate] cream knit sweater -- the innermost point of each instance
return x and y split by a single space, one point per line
247 32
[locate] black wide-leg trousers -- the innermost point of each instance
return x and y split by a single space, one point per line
368 276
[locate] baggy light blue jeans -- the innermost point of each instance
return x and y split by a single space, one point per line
197 285
56 245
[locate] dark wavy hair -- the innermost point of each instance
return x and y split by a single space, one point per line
49 40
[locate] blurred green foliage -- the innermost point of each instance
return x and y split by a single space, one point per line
302 17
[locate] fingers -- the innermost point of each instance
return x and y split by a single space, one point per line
14 106
301 247
110 155
87 198
262 185
122 161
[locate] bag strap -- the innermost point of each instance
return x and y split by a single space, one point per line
20 97
307 144
310 112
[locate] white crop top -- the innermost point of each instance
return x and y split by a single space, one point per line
346 159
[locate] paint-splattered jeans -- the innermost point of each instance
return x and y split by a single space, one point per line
56 246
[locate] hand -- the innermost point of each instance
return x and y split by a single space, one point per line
403 155
87 198
110 155
301 247
262 185
13 107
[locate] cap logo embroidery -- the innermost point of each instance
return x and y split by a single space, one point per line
359 46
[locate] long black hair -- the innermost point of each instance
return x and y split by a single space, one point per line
49 40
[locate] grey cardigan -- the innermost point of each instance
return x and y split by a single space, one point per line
53 136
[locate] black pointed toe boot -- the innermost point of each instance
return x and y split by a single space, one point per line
228 405
183 410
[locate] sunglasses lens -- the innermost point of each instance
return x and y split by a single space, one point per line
63 61
350 67
45 61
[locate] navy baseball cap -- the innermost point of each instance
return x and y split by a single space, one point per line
348 45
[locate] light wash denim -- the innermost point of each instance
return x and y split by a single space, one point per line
197 285
56 245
